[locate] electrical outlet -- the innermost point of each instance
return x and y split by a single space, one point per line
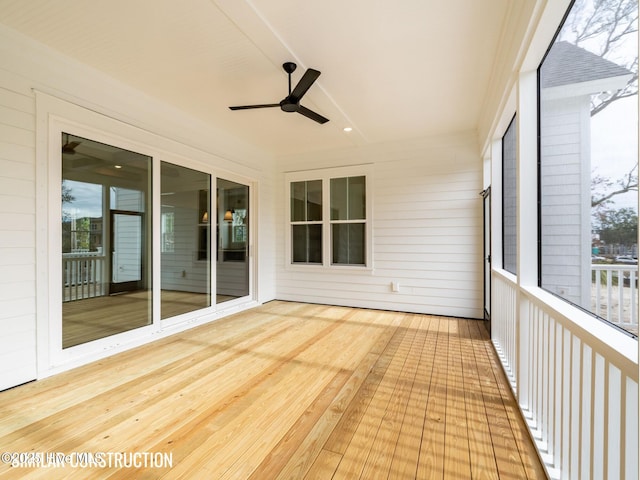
395 287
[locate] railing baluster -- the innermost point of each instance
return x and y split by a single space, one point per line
93 278
598 280
625 313
76 269
64 274
82 276
609 289
633 279
578 395
620 297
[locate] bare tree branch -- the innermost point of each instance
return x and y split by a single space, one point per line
628 183
603 27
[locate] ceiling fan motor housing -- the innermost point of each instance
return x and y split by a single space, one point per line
288 105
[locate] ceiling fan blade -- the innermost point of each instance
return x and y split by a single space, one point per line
304 84
311 114
248 107
70 147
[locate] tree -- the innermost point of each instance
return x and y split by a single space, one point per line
618 227
603 189
607 28
67 197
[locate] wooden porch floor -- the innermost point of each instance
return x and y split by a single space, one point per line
286 390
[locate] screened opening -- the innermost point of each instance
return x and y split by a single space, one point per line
588 162
509 199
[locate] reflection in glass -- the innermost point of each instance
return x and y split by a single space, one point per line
232 269
348 243
348 198
306 201
348 206
185 240
307 243
106 240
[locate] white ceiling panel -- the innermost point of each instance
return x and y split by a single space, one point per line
391 70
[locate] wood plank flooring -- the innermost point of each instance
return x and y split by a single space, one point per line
285 391
98 317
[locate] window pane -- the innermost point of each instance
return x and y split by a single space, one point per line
509 198
307 243
298 201
339 199
299 243
357 198
314 200
589 160
340 240
348 198
232 269
185 254
348 240
106 285
167 231
306 201
315 243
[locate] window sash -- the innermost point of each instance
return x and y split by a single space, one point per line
344 219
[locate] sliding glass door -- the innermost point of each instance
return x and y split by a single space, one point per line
108 231
185 240
106 248
232 255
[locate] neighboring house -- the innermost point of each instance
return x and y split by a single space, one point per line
213 221
565 144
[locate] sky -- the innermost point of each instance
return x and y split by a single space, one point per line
87 200
614 144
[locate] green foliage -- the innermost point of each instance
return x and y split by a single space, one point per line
618 227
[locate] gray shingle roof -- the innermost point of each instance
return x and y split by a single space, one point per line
567 63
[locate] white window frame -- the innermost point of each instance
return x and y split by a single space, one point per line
55 116
325 175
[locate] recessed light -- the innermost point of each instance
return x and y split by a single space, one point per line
117 166
347 129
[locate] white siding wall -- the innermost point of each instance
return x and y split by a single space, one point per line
26 66
181 269
427 230
566 259
17 237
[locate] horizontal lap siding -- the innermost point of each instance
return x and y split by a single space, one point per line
563 196
77 90
17 238
427 231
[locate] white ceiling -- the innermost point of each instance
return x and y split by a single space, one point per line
390 70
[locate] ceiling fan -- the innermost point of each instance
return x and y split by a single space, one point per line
291 103
69 147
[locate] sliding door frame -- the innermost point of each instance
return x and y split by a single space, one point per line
53 118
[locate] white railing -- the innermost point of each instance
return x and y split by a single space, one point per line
503 326
82 276
614 294
577 393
